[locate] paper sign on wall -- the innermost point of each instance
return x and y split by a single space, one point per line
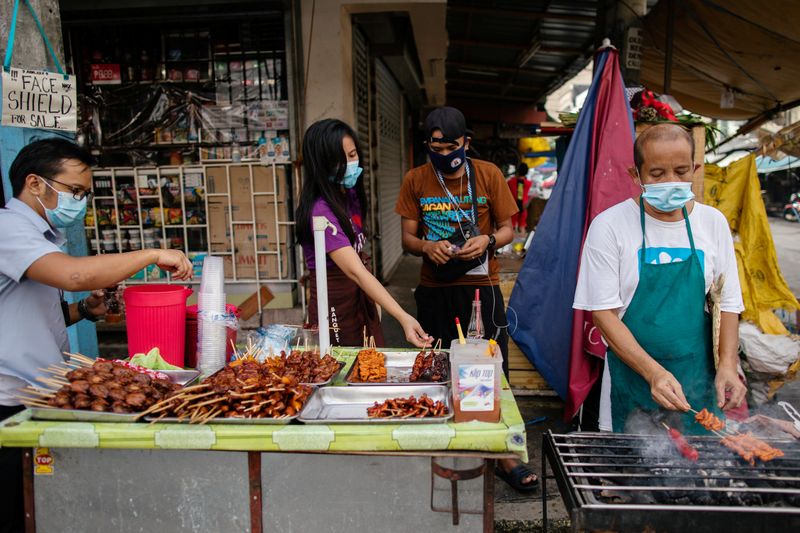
39 99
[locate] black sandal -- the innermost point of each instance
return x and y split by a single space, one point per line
516 475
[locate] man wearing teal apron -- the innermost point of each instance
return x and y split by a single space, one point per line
645 272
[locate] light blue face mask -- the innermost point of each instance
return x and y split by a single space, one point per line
668 197
68 210
351 174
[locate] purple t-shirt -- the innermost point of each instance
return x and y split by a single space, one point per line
334 242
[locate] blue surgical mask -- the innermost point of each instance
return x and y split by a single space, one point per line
68 210
351 175
447 164
668 197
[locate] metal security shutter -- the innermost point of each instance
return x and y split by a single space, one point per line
362 101
389 174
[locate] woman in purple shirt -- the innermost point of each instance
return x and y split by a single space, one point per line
333 188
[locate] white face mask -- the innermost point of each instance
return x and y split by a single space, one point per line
668 197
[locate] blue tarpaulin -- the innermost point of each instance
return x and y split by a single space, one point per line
765 164
541 320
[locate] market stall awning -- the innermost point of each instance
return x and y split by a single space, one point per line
766 165
749 47
516 52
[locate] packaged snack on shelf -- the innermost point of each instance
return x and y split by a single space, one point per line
128 216
174 215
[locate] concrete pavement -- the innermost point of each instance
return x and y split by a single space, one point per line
787 245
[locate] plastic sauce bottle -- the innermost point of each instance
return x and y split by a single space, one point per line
475 368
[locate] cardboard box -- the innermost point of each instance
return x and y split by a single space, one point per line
241 193
283 178
245 266
217 180
262 179
246 257
218 224
267 227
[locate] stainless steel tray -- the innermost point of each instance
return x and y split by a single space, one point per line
328 382
398 371
181 377
238 421
348 405
79 415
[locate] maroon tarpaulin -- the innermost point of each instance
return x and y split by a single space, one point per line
611 154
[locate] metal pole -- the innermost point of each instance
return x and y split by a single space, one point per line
320 224
668 53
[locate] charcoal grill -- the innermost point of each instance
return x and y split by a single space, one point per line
620 482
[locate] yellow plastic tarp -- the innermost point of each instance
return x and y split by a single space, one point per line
736 192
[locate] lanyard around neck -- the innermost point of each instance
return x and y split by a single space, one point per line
457 204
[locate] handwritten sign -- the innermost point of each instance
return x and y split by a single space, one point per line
39 99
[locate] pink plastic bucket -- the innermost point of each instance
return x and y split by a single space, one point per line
156 317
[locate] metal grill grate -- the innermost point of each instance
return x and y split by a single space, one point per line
624 482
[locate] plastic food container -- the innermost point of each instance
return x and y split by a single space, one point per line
475 370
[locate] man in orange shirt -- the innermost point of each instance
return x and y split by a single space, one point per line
455 212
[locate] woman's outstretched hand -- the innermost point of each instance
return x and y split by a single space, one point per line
414 332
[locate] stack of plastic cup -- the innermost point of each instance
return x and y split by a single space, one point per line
211 337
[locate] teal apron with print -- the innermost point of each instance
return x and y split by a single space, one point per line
667 317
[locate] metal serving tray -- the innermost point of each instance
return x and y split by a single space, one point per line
237 421
79 415
181 377
398 371
348 405
328 382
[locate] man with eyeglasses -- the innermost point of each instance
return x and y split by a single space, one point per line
51 180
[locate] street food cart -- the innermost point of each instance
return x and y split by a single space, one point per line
102 476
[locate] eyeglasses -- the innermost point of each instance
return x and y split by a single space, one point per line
77 192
